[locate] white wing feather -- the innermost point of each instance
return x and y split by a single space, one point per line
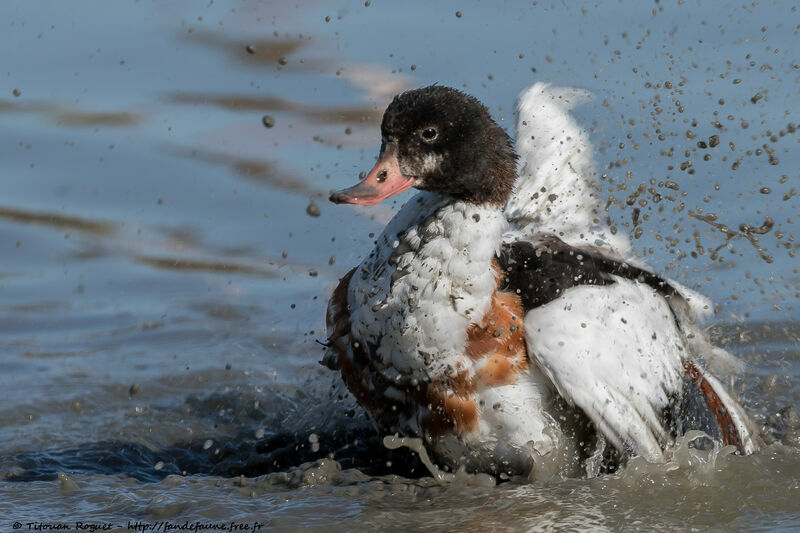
615 351
555 192
556 189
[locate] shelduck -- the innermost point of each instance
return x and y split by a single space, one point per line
498 318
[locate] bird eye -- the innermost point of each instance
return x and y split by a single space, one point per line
429 134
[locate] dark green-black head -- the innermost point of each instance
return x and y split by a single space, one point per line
439 139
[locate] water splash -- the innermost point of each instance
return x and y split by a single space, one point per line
460 477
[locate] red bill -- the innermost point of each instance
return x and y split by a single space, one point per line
384 180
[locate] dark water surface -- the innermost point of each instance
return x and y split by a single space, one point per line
163 277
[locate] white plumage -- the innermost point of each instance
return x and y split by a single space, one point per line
614 351
557 187
428 277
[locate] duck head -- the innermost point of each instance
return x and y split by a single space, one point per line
443 140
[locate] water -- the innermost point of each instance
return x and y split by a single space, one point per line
163 285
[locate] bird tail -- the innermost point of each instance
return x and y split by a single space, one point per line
729 415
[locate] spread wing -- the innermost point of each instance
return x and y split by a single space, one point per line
609 338
556 189
615 339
